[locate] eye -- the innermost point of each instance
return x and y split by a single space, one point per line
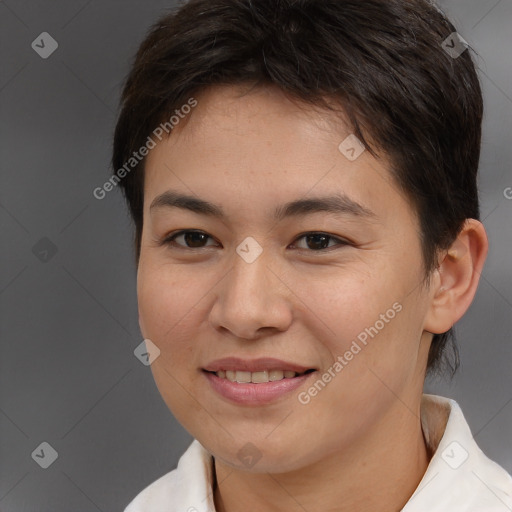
195 239
318 241
189 239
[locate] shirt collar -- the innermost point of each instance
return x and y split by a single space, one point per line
459 476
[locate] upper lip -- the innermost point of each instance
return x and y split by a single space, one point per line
254 365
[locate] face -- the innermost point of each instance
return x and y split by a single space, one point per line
281 282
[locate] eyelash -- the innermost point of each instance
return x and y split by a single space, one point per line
170 240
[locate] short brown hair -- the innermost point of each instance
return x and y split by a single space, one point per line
382 61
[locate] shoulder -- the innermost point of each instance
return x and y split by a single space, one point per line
460 477
188 488
156 495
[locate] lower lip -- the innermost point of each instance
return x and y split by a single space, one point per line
255 394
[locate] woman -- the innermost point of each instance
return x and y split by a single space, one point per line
302 179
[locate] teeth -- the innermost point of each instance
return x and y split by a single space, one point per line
275 375
258 377
255 377
243 376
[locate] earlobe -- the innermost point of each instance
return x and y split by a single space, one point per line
455 283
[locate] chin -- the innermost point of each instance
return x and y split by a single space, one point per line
260 455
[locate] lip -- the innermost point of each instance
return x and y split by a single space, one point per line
255 394
251 394
254 365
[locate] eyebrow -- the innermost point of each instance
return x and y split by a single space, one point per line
337 203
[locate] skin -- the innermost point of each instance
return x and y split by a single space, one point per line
249 154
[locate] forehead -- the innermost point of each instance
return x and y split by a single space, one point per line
260 145
225 111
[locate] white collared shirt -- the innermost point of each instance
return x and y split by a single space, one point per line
459 477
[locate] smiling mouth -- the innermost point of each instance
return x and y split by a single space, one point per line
245 377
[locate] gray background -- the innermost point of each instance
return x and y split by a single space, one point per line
69 318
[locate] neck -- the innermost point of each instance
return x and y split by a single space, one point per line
379 472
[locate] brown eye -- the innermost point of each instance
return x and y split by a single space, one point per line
194 239
318 241
190 240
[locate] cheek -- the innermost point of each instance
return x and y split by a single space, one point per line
169 309
166 300
368 320
338 305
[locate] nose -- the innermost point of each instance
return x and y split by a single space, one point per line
252 301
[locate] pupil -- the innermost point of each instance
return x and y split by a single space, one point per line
195 239
316 242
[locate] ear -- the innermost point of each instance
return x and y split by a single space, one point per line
454 283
